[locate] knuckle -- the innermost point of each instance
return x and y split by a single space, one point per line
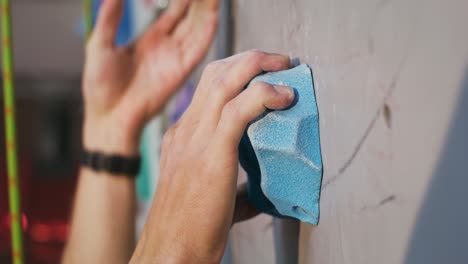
218 89
231 112
217 95
263 90
212 67
219 84
255 54
209 68
211 74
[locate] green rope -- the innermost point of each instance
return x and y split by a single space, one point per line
10 134
10 126
88 17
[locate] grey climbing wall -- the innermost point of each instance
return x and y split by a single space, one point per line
388 75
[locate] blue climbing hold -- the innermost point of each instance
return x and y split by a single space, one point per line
280 152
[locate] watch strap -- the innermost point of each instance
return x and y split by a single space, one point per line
112 164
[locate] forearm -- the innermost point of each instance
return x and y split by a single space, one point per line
103 219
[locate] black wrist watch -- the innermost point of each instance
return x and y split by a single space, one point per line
112 164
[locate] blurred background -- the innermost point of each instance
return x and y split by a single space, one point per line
48 49
48 53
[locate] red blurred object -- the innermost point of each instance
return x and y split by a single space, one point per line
25 175
46 205
7 221
53 231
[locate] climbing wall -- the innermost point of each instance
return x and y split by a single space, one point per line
388 75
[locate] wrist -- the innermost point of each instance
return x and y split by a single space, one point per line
110 135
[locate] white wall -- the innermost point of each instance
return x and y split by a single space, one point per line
387 75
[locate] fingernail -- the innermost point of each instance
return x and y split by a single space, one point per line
285 90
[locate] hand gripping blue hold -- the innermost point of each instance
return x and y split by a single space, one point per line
280 152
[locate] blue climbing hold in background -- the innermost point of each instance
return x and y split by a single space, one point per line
280 152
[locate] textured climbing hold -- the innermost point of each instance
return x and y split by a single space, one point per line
280 152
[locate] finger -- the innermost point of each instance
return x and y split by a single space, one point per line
200 16
107 23
169 20
230 77
210 4
246 107
198 39
236 72
242 68
243 209
197 12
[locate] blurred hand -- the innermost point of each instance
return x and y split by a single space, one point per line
193 208
123 87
